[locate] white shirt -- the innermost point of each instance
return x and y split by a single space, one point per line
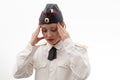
71 62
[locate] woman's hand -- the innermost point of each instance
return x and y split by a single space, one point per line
62 32
35 38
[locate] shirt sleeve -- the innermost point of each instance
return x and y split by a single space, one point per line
24 67
79 62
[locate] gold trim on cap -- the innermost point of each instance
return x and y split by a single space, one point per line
47 20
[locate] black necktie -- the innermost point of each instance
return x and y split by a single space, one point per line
52 54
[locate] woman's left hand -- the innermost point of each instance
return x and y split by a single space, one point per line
62 32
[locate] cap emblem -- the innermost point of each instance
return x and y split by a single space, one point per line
47 20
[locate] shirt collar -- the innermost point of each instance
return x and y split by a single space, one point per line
58 46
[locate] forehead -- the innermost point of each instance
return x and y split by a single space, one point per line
48 25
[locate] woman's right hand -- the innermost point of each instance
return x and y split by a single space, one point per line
35 38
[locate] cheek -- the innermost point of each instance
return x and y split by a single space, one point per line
43 34
57 35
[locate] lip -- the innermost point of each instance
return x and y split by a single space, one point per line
50 40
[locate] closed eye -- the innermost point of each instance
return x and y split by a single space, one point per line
53 29
44 30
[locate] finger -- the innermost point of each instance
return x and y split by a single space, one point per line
40 38
60 27
36 31
63 33
61 30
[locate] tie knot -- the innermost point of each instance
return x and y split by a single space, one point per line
52 53
53 48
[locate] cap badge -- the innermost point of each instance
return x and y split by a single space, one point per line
47 20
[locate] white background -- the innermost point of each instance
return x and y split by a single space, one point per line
94 23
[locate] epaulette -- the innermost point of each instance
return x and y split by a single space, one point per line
80 45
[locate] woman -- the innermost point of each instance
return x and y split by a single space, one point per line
59 58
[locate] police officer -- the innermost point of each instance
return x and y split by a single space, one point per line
57 59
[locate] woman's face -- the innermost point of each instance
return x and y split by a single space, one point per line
50 33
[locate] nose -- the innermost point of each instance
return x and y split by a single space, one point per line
49 34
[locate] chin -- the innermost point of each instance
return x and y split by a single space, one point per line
56 42
53 43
